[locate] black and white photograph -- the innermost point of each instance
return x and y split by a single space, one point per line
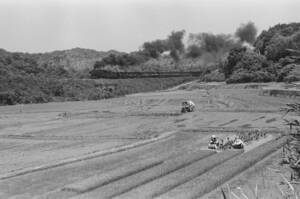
149 99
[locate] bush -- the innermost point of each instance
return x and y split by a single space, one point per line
284 72
214 76
290 73
245 76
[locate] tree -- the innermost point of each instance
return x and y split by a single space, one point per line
247 32
277 47
175 40
194 51
247 66
284 30
155 48
235 55
175 44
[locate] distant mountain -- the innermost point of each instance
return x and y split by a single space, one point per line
72 59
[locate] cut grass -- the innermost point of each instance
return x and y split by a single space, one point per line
126 184
174 179
222 173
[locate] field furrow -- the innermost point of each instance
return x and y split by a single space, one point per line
178 177
126 184
106 178
220 174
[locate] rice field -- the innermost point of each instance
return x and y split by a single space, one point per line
139 178
220 174
174 179
178 165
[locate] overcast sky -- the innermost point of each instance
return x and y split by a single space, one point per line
47 25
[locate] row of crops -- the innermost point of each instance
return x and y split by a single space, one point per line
222 173
187 176
124 184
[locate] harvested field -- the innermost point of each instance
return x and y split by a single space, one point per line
220 174
174 179
98 181
140 178
34 135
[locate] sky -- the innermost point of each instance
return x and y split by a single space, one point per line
124 25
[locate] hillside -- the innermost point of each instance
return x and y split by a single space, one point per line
63 76
73 59
60 75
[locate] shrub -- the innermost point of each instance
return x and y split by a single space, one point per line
246 76
292 73
284 72
214 76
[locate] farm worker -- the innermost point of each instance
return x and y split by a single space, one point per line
191 103
238 141
213 139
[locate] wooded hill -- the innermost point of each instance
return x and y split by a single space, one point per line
241 57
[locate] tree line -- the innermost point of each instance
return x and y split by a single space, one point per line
239 57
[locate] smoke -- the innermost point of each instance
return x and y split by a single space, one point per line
247 32
211 48
248 45
217 46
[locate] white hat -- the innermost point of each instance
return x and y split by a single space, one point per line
213 136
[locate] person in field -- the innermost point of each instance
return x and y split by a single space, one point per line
213 139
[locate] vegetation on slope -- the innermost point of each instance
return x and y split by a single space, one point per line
203 52
31 89
273 56
30 78
276 57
